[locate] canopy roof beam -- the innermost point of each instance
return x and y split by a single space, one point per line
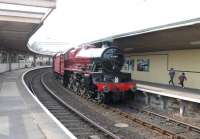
35 3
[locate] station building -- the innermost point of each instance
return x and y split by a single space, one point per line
150 53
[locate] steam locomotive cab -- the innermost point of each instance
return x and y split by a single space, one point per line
96 72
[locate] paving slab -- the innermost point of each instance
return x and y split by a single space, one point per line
21 117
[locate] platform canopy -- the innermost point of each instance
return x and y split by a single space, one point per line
175 36
20 19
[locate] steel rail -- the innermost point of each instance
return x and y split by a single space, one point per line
30 85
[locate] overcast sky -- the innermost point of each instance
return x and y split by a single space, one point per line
78 21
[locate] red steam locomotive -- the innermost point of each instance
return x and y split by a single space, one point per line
94 71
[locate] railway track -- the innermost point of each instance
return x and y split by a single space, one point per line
140 121
170 127
167 126
173 128
176 126
81 126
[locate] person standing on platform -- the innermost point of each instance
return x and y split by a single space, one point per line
182 78
171 75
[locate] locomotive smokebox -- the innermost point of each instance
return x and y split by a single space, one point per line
112 59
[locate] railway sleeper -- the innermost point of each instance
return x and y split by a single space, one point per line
79 125
60 117
60 111
85 135
81 130
76 124
62 114
70 120
51 104
55 107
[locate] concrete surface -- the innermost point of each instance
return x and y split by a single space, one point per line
21 117
187 94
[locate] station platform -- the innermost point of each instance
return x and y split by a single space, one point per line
21 117
187 94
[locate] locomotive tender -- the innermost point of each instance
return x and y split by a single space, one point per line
94 71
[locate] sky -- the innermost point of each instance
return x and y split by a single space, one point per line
74 22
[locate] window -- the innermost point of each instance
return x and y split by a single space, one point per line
21 57
143 64
66 56
3 57
131 64
14 58
126 65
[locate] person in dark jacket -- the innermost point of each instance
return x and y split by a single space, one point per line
182 78
171 75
